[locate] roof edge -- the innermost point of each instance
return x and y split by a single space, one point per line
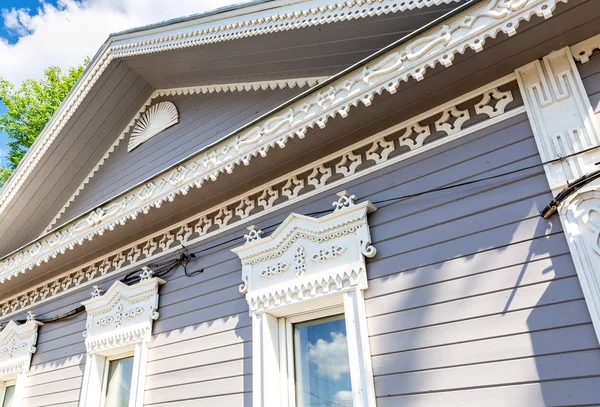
409 59
290 16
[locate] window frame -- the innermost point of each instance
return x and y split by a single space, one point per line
119 325
107 361
308 267
289 352
5 384
20 341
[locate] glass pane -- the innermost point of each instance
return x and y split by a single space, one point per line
9 394
322 366
119 382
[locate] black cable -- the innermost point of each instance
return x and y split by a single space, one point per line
165 267
69 314
566 192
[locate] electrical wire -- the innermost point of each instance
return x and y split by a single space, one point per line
185 257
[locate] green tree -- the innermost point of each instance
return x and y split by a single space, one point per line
29 107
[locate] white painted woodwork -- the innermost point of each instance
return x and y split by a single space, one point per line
561 117
17 344
306 265
564 123
119 322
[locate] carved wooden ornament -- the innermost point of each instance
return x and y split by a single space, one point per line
17 344
157 118
122 316
307 257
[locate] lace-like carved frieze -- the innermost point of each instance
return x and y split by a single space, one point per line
411 136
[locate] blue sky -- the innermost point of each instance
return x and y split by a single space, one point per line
35 34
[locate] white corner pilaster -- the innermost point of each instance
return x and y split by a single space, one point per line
561 117
564 125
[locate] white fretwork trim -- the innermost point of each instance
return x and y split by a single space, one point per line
338 243
583 51
439 45
563 122
119 321
285 18
17 344
122 316
226 87
294 186
561 117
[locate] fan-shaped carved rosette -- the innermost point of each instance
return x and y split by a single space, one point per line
157 118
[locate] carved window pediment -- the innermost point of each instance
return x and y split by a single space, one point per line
307 257
308 268
119 325
17 344
122 316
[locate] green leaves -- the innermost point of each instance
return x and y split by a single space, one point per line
29 107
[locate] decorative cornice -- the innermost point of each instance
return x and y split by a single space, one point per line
337 245
122 316
242 86
439 45
404 140
583 51
17 344
285 18
288 18
227 87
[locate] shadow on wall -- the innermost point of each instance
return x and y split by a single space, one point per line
473 298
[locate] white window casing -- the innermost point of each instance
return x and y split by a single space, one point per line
119 323
17 345
567 133
314 267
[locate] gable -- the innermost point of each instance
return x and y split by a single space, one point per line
312 42
204 118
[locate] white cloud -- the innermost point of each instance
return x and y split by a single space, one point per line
65 33
331 358
343 397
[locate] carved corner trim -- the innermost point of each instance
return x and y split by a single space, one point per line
561 116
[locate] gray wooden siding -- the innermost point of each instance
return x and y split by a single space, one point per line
203 119
590 75
473 299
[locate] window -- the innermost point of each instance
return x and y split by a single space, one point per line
9 394
118 329
304 287
322 366
17 344
117 382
